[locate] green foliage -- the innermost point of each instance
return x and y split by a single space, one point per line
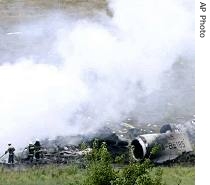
71 175
100 174
99 171
150 178
120 159
83 146
139 174
155 149
131 158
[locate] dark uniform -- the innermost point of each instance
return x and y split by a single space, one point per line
37 147
10 150
31 150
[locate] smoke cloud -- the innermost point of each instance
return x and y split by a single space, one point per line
72 76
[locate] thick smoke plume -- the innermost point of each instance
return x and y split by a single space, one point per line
71 76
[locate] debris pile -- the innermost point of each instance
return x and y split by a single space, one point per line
72 149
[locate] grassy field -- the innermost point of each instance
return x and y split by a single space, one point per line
179 175
50 175
71 175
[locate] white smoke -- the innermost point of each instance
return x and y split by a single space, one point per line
90 72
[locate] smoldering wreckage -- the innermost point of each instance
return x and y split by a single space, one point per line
174 143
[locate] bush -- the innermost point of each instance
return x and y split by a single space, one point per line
139 174
101 172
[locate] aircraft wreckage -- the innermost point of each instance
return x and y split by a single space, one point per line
169 146
173 146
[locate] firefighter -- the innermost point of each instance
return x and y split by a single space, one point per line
11 151
37 148
31 150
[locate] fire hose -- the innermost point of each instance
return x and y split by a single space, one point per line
2 156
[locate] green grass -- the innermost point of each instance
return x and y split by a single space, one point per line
179 175
71 175
50 175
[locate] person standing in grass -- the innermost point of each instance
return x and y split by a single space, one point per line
11 151
31 150
37 147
